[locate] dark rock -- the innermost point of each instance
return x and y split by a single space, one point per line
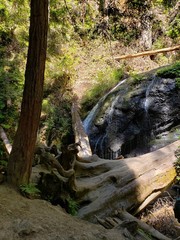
132 116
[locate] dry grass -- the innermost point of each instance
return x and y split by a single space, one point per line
160 215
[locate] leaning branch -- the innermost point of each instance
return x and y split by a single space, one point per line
148 53
79 132
6 142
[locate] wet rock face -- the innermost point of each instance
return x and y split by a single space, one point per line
134 117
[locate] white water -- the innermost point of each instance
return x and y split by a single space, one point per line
88 122
147 101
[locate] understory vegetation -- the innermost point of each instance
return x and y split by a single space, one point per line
172 71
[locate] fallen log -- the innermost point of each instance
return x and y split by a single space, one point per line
105 185
148 53
80 135
6 142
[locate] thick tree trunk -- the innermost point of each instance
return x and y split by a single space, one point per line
20 161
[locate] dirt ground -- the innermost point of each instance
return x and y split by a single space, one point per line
22 218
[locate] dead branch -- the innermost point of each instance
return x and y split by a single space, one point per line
148 53
6 142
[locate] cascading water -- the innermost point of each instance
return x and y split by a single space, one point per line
99 145
126 119
89 120
147 101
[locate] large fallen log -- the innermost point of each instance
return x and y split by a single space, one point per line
103 186
148 53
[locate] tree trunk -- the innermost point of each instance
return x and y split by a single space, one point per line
20 161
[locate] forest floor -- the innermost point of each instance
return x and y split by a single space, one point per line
22 218
35 219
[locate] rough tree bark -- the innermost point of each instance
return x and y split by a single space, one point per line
20 161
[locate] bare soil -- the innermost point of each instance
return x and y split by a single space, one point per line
27 219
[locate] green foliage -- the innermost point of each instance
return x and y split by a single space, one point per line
72 206
58 122
172 71
71 19
178 82
11 81
136 78
105 80
3 162
174 28
165 3
138 4
13 16
29 190
123 32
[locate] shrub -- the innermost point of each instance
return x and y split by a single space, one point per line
72 207
174 28
30 190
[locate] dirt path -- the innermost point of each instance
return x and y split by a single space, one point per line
22 218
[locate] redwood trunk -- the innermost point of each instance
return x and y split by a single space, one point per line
20 161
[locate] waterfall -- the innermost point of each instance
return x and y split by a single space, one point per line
135 119
89 120
148 99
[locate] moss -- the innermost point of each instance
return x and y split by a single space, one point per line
135 79
172 71
178 82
